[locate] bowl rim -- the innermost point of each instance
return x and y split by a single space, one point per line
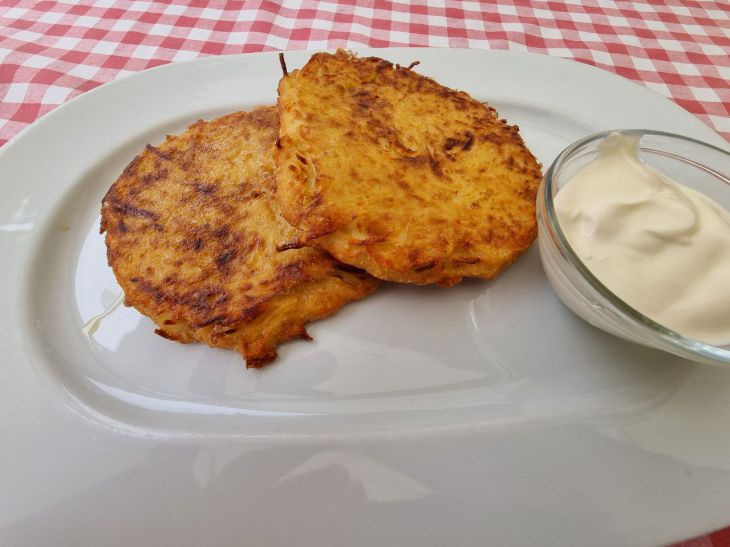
675 339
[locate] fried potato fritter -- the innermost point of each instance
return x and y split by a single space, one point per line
196 240
396 174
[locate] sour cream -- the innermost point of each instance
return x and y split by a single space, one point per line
661 247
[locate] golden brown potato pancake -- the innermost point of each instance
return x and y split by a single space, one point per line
396 174
197 242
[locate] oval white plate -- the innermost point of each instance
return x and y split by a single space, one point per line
485 413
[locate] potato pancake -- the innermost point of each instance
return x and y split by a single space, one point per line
196 240
395 174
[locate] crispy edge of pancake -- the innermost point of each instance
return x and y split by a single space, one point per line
361 235
177 244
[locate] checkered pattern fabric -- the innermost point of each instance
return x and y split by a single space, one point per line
51 51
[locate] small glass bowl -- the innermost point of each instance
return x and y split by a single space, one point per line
698 165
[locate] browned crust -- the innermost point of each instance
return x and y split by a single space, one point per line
398 175
192 230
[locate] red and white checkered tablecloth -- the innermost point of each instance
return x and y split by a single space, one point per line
51 51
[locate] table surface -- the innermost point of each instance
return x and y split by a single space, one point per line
53 51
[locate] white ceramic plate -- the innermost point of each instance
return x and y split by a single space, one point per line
481 414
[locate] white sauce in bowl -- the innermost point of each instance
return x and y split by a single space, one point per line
661 247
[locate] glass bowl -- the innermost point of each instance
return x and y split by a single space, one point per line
698 165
